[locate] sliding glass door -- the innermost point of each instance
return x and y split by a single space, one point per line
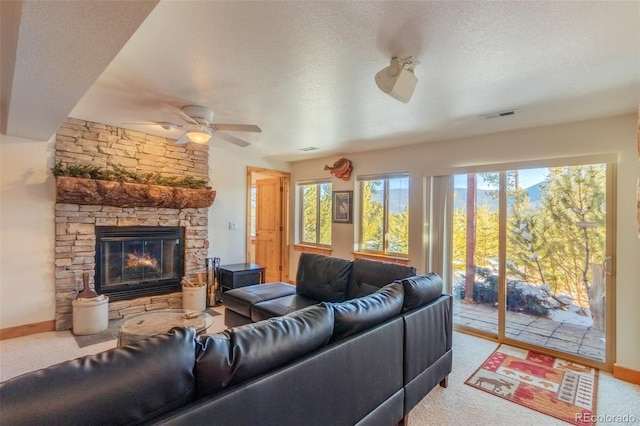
475 251
528 257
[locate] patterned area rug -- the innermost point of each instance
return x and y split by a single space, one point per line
552 386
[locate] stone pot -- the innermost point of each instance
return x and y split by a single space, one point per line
194 298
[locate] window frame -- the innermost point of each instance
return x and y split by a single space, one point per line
300 211
385 210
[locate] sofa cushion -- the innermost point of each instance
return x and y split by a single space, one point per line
126 385
420 290
243 352
240 300
280 306
214 363
368 276
323 278
359 314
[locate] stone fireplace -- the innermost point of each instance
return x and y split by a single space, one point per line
78 224
138 261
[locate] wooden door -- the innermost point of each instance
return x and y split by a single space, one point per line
269 227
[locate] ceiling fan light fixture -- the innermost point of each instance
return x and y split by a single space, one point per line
199 135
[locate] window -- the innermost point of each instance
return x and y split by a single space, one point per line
384 214
315 213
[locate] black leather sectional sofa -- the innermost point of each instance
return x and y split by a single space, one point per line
364 361
319 279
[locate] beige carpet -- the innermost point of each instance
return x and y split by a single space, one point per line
458 404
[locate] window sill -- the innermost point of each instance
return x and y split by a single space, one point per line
312 249
380 257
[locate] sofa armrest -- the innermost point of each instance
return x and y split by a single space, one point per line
428 334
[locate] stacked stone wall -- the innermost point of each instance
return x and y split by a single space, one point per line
85 143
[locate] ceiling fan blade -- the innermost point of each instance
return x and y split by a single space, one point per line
185 117
148 123
237 127
164 124
232 139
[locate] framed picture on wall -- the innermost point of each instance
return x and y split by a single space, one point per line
342 209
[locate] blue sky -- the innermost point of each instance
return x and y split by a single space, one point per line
528 178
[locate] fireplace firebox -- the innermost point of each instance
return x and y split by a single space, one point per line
138 261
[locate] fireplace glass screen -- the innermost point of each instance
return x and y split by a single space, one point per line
138 261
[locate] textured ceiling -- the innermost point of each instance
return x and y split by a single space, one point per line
304 71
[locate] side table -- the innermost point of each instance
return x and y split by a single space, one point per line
161 321
240 275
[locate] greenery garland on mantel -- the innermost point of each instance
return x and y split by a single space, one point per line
121 175
90 186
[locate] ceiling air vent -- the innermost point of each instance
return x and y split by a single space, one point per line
309 148
498 114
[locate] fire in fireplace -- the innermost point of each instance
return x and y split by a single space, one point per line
138 261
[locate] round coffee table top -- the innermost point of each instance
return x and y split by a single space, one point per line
161 321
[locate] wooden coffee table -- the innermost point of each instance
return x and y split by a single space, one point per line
161 321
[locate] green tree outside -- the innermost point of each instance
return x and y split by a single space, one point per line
554 241
391 237
372 215
316 213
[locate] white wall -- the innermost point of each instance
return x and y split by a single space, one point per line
228 177
613 135
27 235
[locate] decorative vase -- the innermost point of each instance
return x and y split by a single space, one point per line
194 298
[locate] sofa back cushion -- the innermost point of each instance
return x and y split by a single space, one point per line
323 278
369 276
365 312
126 385
243 352
420 290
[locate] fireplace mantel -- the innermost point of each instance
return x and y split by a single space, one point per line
72 190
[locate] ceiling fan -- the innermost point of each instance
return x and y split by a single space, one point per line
200 127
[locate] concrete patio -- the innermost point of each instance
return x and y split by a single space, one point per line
541 331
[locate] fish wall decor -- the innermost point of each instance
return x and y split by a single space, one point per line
340 169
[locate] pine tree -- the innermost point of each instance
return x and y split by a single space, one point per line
309 217
574 199
325 214
372 215
398 232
